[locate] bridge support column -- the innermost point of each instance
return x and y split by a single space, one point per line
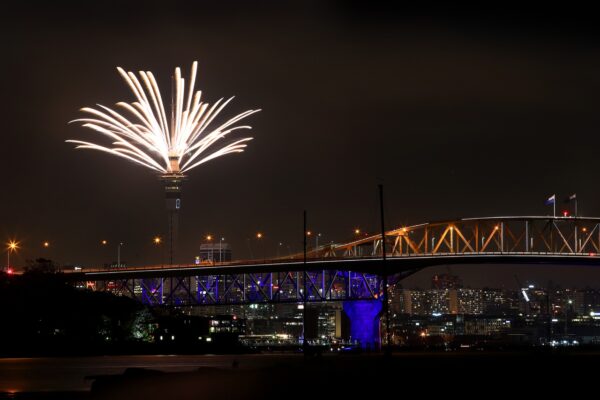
364 322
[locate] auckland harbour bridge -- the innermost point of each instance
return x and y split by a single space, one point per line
355 270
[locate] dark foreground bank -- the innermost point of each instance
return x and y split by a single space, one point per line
470 375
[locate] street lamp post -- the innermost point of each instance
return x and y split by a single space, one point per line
317 236
221 249
103 243
259 237
356 249
157 242
119 254
11 246
209 241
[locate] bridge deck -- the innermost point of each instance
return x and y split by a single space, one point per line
368 264
354 270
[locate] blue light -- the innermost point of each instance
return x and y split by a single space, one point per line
364 321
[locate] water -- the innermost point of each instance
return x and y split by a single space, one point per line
69 374
277 376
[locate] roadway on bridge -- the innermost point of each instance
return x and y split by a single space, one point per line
372 265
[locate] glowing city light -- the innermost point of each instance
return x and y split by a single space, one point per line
12 246
167 145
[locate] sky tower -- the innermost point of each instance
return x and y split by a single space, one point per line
141 132
173 181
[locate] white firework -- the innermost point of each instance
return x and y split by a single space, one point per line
167 145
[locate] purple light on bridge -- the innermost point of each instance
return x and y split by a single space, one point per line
364 322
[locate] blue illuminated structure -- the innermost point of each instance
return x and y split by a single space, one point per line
364 322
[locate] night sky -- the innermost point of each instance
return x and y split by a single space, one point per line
458 112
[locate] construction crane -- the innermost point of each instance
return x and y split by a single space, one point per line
522 289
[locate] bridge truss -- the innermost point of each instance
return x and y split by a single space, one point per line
555 235
354 270
198 289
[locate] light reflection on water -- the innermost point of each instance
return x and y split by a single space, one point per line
69 374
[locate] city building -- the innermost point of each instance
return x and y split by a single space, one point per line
218 251
453 301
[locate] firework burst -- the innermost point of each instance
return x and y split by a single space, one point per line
141 132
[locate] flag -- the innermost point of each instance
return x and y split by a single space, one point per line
551 200
570 198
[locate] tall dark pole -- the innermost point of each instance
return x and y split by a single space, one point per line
304 294
386 310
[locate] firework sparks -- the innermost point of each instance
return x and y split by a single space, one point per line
149 138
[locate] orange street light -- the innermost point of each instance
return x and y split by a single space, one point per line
11 246
357 231
157 240
104 243
308 233
209 237
259 235
46 244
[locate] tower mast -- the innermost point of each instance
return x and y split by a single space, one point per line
173 183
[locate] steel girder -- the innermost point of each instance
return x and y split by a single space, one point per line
469 240
246 288
555 235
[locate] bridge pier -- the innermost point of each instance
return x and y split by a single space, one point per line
364 322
